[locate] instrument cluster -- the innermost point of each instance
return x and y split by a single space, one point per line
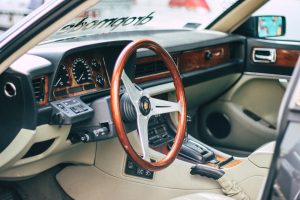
80 73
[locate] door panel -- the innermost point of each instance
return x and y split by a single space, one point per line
250 109
245 117
259 95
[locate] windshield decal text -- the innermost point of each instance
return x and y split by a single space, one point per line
111 23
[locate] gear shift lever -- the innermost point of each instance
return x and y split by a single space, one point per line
191 149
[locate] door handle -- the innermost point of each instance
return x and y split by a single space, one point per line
264 55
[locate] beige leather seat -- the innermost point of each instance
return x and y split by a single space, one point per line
203 196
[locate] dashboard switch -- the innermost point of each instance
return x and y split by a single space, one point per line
58 118
70 102
131 168
75 110
94 134
60 106
85 138
70 111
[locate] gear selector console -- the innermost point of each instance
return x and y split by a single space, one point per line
195 152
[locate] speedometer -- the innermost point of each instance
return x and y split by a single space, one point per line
81 71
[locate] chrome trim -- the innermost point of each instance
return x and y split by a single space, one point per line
12 92
264 58
266 75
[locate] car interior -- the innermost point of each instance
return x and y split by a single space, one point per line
151 114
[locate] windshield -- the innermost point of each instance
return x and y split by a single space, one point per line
133 15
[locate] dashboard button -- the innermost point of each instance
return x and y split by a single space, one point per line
130 165
140 171
149 174
60 106
75 110
70 102
83 107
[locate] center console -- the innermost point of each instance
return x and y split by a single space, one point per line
159 132
161 137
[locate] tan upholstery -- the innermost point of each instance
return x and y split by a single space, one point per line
203 196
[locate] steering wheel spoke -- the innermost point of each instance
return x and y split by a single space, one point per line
142 122
159 106
133 92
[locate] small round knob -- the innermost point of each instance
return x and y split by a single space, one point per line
85 138
208 55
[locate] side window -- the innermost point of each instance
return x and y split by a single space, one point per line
12 11
287 8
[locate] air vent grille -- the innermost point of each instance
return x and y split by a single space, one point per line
150 68
38 85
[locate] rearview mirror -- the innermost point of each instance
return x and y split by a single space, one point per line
263 26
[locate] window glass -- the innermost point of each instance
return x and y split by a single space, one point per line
12 11
139 15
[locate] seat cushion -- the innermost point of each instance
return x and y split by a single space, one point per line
203 196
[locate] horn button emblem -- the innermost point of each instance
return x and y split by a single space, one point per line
145 105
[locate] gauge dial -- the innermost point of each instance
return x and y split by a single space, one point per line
100 80
81 71
95 64
62 77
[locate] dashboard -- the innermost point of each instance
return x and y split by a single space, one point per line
63 88
87 69
68 82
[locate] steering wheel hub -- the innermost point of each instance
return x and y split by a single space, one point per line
144 105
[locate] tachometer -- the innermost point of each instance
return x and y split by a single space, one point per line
81 71
62 77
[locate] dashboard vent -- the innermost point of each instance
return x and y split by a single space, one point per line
151 68
38 85
146 69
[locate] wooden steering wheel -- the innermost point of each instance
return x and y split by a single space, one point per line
146 106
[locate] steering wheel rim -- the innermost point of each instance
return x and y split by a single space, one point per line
141 99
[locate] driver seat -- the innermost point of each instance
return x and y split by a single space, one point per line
203 196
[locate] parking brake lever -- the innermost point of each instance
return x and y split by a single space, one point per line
207 171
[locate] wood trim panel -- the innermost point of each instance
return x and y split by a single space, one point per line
286 58
190 61
204 58
233 163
